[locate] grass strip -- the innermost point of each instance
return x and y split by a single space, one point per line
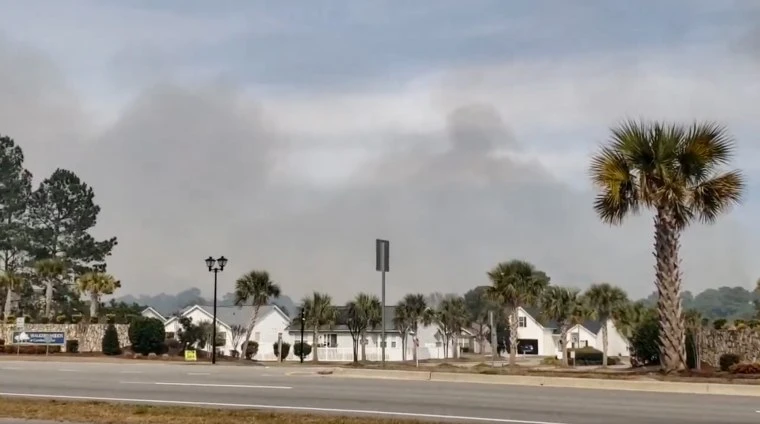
116 413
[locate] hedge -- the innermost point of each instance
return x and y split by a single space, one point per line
31 349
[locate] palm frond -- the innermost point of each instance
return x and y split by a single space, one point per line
715 196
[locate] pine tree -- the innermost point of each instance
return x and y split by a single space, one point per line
110 342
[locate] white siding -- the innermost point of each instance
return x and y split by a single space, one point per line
617 344
532 331
268 329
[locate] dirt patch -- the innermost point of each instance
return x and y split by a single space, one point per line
106 413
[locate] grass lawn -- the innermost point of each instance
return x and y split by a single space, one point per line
111 413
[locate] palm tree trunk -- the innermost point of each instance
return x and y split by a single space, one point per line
315 336
416 342
563 344
403 346
604 344
356 350
94 303
249 331
672 335
455 346
7 309
698 350
364 347
513 328
49 299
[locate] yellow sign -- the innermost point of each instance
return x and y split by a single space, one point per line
190 355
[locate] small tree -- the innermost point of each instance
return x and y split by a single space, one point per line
251 350
285 350
189 334
110 342
147 335
301 351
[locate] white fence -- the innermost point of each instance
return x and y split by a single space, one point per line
346 354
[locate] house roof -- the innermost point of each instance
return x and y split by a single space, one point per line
155 312
591 325
234 315
340 324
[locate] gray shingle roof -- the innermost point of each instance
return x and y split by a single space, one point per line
340 326
234 315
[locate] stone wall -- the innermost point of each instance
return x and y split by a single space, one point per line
90 336
744 342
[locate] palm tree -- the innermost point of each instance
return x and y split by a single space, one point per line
363 313
693 322
96 284
631 316
608 302
319 312
676 172
516 284
50 273
257 289
452 317
11 281
562 305
403 324
416 310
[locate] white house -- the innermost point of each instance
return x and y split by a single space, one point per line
271 324
535 338
335 343
149 312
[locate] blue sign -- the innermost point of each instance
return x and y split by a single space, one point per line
39 337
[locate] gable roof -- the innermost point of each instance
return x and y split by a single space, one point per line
233 315
155 312
592 326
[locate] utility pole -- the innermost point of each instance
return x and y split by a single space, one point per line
382 251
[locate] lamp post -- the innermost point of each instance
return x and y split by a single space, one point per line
215 266
303 321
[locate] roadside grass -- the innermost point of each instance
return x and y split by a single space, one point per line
112 413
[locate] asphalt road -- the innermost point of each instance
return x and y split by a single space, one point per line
299 390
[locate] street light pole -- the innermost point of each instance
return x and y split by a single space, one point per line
303 320
215 266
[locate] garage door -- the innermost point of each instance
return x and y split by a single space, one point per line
527 346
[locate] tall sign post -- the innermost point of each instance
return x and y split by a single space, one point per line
20 329
382 251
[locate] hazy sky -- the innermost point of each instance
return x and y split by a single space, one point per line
288 135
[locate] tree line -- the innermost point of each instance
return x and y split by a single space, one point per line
48 257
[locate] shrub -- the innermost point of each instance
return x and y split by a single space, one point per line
110 342
147 336
2 342
10 319
553 361
76 318
44 320
31 349
728 359
93 320
301 351
174 347
586 356
251 350
60 319
110 319
718 324
72 346
745 368
285 350
645 343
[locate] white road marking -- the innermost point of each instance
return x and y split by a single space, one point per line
12 368
199 373
130 372
283 407
237 386
67 370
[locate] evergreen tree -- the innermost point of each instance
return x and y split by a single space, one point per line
110 343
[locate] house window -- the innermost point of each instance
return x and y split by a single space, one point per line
221 338
331 340
393 344
169 335
522 322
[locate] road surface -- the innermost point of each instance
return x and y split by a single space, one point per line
299 390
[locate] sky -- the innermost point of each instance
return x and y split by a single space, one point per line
288 136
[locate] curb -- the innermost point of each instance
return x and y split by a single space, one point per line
559 382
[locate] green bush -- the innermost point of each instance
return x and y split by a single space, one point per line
645 341
727 360
174 347
251 350
110 342
147 336
301 351
72 346
44 320
60 319
718 324
586 356
285 350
